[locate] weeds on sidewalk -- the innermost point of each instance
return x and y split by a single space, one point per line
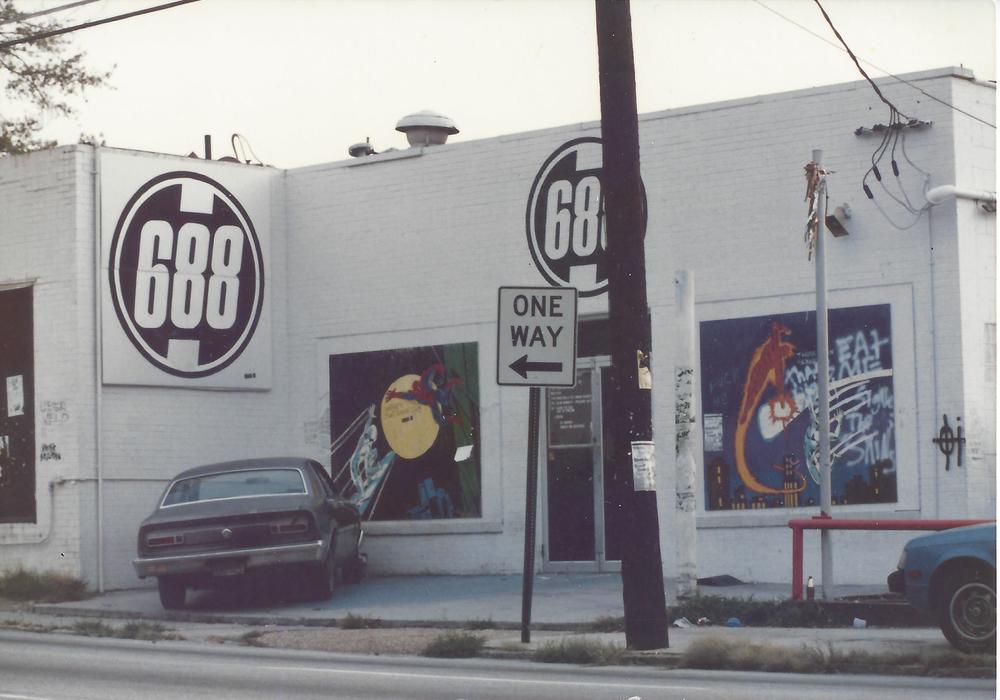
360 622
455 644
143 631
487 624
93 628
580 651
146 631
753 613
24 626
252 638
714 653
42 587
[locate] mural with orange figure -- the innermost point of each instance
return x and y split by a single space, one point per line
759 401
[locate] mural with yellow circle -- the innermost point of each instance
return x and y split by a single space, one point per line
404 431
408 425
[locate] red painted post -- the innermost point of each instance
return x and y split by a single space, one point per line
827 523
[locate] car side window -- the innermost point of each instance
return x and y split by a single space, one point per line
324 481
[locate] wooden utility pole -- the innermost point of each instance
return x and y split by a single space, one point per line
631 404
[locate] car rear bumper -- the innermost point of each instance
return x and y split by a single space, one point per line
230 561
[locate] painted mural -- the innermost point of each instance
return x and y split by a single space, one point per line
406 431
759 399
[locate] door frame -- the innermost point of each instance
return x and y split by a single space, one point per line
599 563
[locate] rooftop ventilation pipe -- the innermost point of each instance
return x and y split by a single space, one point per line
426 128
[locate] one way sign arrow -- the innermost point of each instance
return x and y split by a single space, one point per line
522 366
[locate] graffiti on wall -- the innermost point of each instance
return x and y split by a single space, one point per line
759 396
406 427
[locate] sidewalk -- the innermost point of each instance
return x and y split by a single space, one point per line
559 601
562 605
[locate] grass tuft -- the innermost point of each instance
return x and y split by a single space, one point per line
252 638
455 644
145 631
579 651
42 587
606 623
360 622
93 628
715 653
487 624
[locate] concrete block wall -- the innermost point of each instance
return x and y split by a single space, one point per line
420 240
42 204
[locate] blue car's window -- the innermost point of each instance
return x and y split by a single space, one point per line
237 484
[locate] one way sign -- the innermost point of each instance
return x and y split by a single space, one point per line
536 336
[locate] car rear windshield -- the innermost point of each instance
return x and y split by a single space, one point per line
236 484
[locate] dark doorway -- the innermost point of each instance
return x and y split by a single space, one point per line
582 526
17 407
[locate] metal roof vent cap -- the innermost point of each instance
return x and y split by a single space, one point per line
426 128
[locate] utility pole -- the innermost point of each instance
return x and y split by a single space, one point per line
631 405
823 381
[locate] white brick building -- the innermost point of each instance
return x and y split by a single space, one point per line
406 250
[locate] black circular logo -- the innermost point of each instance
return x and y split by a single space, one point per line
565 219
186 273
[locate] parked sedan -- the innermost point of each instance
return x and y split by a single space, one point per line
220 521
952 575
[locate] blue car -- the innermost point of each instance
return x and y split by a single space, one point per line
952 576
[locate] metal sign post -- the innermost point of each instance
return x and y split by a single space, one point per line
531 501
536 346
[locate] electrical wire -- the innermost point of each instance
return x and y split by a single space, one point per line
51 10
878 68
31 38
856 62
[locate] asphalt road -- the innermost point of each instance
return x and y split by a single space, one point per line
56 667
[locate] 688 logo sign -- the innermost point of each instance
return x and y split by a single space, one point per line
187 278
565 219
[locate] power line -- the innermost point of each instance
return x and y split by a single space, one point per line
40 13
86 25
855 59
878 68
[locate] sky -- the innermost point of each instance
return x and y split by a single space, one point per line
302 80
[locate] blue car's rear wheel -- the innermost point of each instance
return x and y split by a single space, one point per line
969 611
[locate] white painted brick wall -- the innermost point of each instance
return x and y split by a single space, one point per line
39 197
975 159
392 243
403 246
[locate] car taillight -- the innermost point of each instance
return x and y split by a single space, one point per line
164 540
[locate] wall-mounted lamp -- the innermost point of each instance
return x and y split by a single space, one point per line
836 222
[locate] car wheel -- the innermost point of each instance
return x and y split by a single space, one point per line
969 612
325 573
172 592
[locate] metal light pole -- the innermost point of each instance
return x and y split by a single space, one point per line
631 405
823 380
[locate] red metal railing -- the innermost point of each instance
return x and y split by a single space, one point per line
822 522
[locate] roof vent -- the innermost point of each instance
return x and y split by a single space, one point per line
426 128
362 149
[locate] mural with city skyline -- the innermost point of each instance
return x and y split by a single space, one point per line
759 402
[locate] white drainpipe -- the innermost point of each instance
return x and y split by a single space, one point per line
942 193
98 372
